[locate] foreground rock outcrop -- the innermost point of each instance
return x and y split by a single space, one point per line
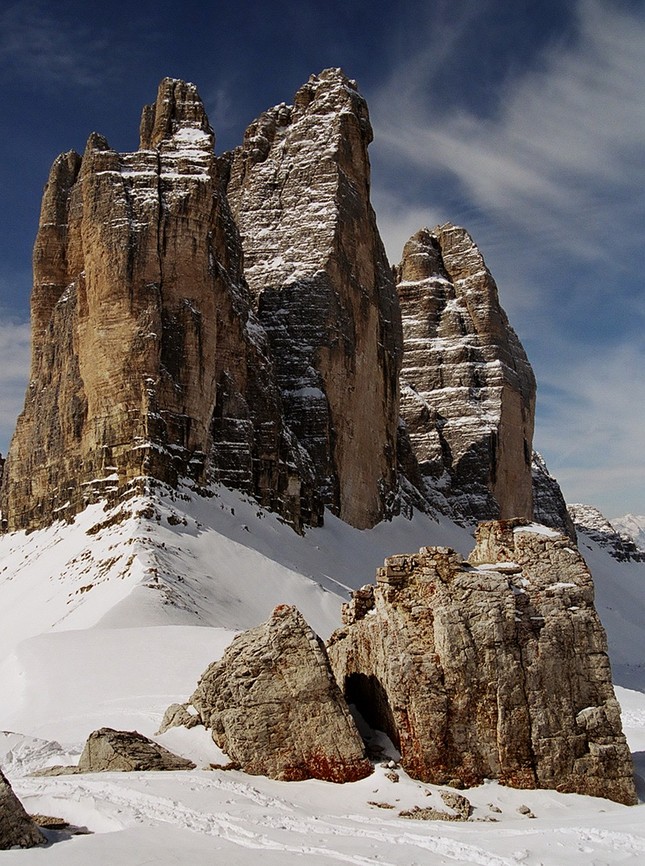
17 829
492 668
467 388
274 707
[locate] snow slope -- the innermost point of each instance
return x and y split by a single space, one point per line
107 621
633 526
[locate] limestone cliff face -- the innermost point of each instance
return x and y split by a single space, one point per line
496 668
467 388
147 360
151 357
299 190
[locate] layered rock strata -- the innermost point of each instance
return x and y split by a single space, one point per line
549 506
467 388
141 344
316 266
496 668
17 829
147 359
151 358
274 707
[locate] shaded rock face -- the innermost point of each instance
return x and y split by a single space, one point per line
496 668
126 751
275 709
323 290
467 388
17 829
151 358
549 507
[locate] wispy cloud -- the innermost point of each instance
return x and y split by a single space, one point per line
398 221
223 113
14 372
591 429
559 154
41 44
548 175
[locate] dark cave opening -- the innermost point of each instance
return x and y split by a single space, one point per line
367 694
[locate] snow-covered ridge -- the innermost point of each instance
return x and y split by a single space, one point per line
177 557
594 524
632 526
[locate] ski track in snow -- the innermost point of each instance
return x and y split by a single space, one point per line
613 841
268 818
147 808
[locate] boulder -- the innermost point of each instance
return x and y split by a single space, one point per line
17 829
493 668
274 707
107 750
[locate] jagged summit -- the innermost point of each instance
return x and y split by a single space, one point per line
178 110
467 388
323 290
235 319
151 357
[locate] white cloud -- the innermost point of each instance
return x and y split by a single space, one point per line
14 371
560 155
591 429
549 180
397 222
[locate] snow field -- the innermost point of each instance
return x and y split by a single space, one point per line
169 589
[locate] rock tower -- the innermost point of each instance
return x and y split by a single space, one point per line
156 355
467 388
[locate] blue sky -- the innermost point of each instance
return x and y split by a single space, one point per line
522 121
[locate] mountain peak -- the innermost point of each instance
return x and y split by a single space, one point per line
467 388
151 357
178 107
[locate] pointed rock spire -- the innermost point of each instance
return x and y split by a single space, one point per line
178 106
316 266
467 388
